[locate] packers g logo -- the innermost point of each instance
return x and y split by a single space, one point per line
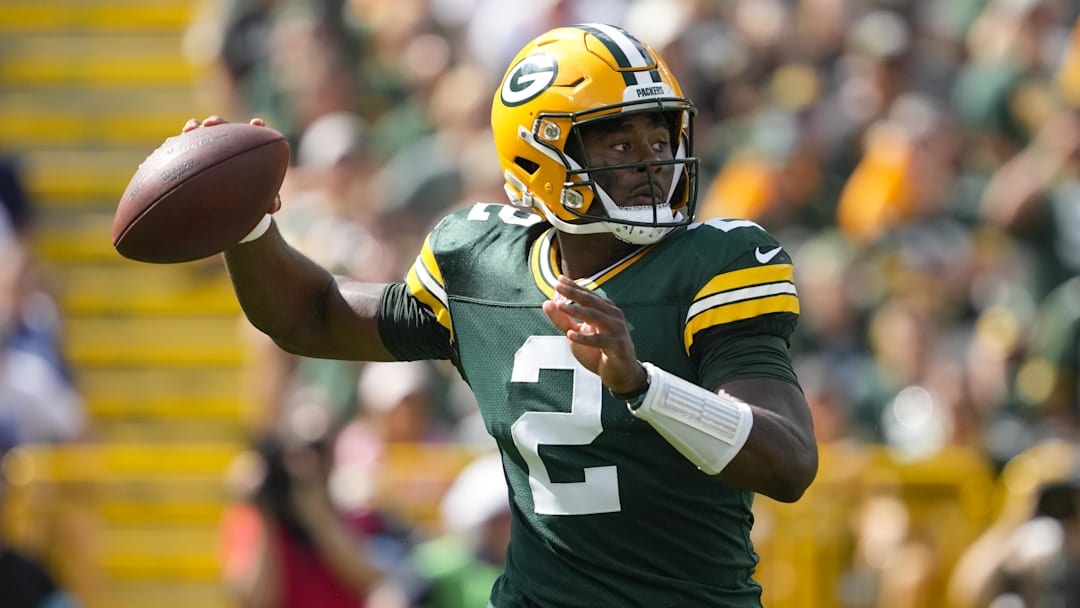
529 78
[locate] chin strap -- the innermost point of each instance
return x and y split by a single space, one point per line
707 428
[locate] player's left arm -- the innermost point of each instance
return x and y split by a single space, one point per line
754 431
755 427
780 456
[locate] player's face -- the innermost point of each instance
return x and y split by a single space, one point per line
636 138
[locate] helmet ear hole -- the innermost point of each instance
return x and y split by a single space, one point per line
529 166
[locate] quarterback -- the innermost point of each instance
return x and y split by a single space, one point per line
631 364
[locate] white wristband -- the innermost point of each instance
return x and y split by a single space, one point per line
259 229
707 428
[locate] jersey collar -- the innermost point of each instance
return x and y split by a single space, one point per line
544 263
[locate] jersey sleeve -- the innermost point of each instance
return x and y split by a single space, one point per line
741 317
426 284
414 316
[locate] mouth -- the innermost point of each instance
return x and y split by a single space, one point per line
643 195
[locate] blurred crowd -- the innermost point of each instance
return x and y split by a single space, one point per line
919 159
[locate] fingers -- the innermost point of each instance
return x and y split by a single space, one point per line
596 320
586 318
214 119
587 335
559 319
566 316
209 121
584 305
597 331
571 290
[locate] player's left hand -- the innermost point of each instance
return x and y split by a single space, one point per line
598 335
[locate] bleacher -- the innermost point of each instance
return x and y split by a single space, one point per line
87 89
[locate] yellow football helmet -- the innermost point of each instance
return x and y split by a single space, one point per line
573 76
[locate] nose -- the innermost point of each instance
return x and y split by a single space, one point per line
648 154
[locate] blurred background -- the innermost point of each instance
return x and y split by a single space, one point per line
919 159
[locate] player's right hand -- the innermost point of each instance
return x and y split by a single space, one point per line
214 119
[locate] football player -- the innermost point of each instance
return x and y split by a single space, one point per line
632 365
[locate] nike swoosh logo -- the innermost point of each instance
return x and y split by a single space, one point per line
763 257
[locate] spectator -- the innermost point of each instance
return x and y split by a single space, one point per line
397 407
25 580
1033 196
1029 556
1048 386
458 568
291 62
286 545
18 215
1041 564
38 399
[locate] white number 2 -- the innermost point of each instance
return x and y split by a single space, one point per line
507 213
599 493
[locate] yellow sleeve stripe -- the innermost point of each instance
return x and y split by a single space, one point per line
426 284
427 256
738 311
741 294
747 277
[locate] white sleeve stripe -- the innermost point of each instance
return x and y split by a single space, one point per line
430 283
739 295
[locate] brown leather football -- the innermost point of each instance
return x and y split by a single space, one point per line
200 192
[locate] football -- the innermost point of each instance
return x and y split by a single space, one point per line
199 193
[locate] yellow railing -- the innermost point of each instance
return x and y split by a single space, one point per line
136 525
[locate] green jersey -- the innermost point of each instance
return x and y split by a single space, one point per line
605 511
